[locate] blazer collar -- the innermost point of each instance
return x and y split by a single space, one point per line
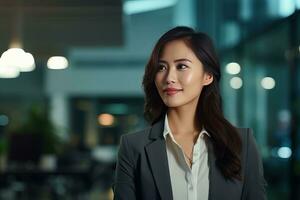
158 159
157 128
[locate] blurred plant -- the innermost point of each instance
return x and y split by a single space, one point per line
38 123
3 145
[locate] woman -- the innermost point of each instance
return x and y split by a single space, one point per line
190 151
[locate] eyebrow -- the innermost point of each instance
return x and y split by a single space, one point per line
177 60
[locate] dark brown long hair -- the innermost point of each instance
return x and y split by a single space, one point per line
224 136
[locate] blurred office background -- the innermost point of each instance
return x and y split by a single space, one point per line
61 117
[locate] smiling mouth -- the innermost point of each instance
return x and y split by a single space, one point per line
172 91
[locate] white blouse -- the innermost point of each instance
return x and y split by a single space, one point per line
187 183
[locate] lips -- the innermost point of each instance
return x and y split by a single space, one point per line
172 91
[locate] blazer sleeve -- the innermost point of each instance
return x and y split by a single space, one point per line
254 177
124 184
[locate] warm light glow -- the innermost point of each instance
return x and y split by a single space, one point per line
7 71
15 43
233 68
57 62
106 119
268 83
236 82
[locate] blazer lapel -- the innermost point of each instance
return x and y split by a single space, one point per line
158 159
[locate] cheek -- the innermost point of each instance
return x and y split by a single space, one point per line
158 79
190 79
157 85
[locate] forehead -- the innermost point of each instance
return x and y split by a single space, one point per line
177 49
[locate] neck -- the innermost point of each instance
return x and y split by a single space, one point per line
182 120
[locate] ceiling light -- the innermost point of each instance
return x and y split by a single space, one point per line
7 71
140 6
233 68
268 83
236 82
3 120
28 63
57 62
284 152
17 57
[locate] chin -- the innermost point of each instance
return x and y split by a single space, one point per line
173 104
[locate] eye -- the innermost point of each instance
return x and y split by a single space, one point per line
181 66
161 67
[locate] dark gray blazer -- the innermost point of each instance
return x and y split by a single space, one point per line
142 170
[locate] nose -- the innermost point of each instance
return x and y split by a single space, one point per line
171 76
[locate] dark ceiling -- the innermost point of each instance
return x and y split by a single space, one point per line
51 27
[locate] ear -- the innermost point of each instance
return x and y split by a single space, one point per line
208 79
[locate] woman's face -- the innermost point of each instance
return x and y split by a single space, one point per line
180 77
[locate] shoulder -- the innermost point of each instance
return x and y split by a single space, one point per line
250 152
247 138
137 140
244 133
252 166
137 136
